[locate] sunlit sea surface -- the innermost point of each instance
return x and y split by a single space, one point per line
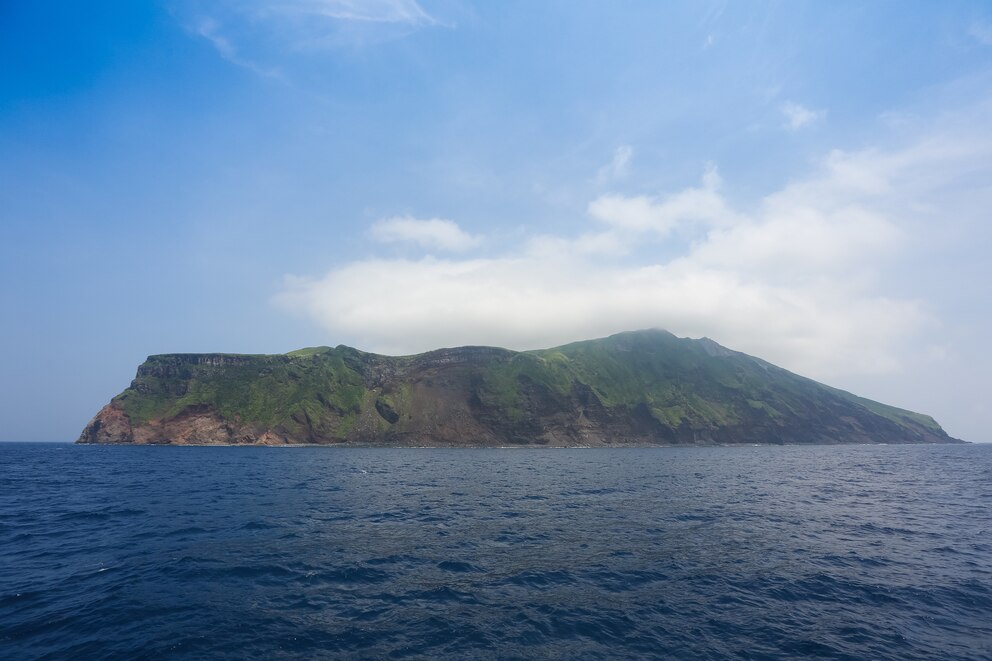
876 552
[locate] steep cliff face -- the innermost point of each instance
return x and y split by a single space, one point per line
640 388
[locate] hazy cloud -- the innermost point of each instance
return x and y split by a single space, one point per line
434 233
797 116
547 246
982 32
403 306
210 29
617 168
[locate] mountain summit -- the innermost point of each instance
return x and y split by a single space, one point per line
636 388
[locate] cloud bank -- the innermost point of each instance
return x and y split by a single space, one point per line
797 278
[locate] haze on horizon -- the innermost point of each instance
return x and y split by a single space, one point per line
805 182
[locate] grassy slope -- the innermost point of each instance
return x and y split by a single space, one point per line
897 415
265 390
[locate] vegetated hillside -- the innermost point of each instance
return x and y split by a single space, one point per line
636 388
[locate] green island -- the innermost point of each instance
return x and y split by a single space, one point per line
637 388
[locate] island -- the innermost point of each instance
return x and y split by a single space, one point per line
639 388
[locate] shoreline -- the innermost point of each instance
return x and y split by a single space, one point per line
490 447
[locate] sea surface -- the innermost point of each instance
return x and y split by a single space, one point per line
840 552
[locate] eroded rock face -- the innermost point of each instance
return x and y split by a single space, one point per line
644 388
180 364
196 425
110 425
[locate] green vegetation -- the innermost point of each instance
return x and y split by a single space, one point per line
647 383
897 415
268 391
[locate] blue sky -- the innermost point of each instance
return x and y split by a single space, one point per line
806 182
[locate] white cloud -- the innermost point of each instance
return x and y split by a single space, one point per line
404 306
702 205
617 168
798 279
592 243
434 233
797 116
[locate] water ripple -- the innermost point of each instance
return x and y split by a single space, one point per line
710 553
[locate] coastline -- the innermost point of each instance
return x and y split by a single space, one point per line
530 446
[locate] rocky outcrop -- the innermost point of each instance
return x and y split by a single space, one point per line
643 388
110 425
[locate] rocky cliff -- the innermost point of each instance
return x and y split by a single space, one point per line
638 388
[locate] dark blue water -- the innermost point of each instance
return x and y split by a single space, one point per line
828 552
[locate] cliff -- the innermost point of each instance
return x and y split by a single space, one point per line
637 388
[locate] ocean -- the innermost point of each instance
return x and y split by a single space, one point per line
829 552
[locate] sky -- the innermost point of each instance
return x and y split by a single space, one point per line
807 182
